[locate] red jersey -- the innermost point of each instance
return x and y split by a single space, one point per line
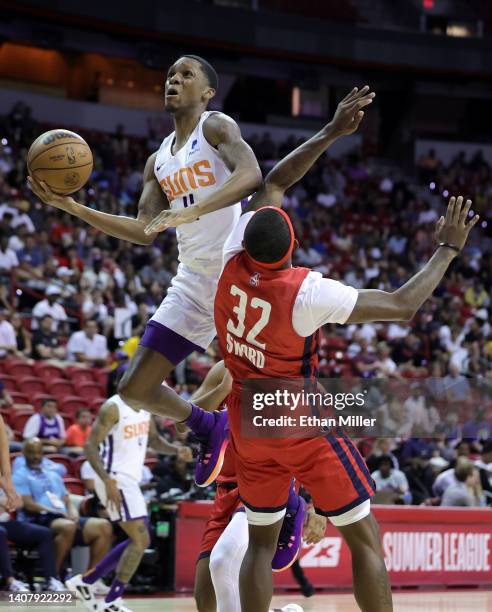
253 317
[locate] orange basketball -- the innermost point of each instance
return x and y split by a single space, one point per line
62 159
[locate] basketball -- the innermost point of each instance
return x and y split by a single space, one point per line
62 159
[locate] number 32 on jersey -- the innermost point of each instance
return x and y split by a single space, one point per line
237 328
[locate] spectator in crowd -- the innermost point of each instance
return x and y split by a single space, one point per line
8 258
22 337
30 536
6 400
78 433
172 473
484 466
478 428
47 425
46 464
88 347
466 491
50 306
45 342
8 342
155 272
382 447
420 476
392 481
46 502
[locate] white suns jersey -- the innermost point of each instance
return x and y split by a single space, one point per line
188 177
123 450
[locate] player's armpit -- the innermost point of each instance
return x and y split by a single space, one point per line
376 305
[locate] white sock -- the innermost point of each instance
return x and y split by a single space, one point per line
225 563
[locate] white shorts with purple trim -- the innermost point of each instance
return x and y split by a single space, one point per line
184 322
133 504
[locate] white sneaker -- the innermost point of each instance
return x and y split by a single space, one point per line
55 585
17 586
114 606
100 588
83 591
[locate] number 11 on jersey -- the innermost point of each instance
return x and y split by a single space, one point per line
188 200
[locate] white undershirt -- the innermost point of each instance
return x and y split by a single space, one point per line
319 301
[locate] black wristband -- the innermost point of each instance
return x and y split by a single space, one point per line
450 246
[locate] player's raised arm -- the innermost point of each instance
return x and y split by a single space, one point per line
296 164
402 304
224 134
151 203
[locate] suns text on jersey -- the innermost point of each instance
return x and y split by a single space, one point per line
256 357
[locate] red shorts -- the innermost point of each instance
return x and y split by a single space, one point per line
226 502
330 468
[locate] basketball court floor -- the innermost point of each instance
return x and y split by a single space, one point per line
421 601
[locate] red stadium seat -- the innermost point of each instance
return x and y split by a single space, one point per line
20 398
96 403
8 382
60 387
6 412
64 460
31 384
18 368
71 404
19 418
89 390
101 376
151 462
77 375
48 371
74 485
68 419
77 464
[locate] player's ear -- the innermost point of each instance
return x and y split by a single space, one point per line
296 244
208 94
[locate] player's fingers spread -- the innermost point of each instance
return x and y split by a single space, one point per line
464 211
457 210
450 209
473 222
350 94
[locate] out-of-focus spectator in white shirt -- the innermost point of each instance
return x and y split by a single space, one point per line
87 346
8 341
49 306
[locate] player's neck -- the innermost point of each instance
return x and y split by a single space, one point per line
184 124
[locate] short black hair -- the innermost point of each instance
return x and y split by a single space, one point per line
208 70
385 459
267 236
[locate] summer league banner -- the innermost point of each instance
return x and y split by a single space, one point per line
451 408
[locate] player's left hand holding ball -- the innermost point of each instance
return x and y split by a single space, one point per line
172 218
44 193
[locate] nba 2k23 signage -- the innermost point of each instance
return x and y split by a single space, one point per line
358 407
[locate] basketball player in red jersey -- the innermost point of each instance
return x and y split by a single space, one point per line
267 315
198 176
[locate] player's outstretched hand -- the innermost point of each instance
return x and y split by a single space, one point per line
172 218
349 112
314 528
453 229
44 193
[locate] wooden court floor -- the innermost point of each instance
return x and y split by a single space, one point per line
422 601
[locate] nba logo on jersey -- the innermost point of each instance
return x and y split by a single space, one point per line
255 279
194 148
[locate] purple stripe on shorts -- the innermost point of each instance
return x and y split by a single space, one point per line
125 506
167 342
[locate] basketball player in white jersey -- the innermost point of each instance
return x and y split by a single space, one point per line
116 450
201 171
